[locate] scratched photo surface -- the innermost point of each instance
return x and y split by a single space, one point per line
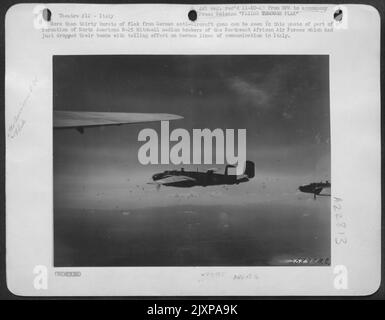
109 212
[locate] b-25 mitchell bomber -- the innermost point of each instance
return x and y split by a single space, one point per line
186 179
315 188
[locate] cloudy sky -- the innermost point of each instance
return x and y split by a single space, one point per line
282 101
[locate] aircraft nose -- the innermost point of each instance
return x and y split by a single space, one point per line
155 177
301 188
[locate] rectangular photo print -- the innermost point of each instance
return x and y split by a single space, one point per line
191 160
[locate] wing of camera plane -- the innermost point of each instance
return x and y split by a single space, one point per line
81 119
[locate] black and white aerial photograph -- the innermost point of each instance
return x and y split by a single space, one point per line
191 160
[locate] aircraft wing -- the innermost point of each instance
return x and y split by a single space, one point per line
174 179
318 190
82 119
